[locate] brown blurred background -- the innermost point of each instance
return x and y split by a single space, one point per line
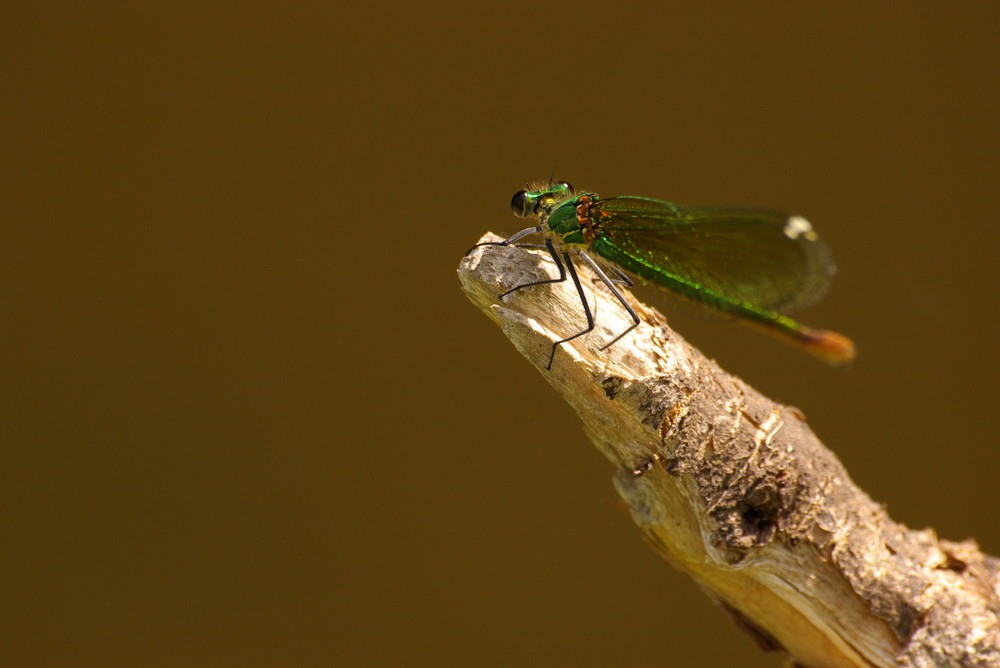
249 418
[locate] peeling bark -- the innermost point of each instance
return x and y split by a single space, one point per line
736 491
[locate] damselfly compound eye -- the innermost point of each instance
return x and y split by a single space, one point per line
519 203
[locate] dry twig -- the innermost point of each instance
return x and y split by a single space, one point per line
737 492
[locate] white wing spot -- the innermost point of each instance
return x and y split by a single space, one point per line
797 226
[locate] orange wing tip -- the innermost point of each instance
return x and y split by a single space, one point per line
829 346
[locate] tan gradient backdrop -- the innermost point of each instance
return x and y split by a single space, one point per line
248 417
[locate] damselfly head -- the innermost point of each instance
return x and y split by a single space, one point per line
541 201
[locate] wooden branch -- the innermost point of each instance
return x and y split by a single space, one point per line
736 491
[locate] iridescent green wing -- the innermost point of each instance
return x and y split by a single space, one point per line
762 258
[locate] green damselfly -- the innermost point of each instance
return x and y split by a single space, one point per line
753 265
